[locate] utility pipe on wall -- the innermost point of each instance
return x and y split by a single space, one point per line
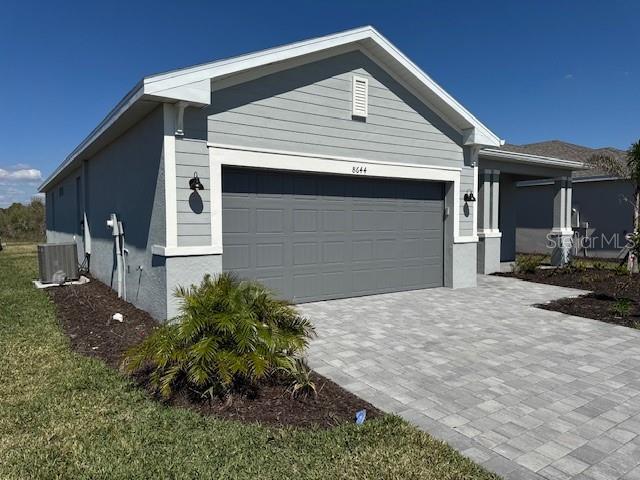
116 231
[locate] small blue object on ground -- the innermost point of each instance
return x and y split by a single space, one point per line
360 417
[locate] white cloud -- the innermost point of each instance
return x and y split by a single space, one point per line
568 76
21 175
19 166
18 184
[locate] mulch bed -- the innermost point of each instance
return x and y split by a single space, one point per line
607 287
85 314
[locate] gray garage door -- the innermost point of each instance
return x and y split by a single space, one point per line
317 237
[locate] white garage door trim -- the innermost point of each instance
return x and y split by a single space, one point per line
238 156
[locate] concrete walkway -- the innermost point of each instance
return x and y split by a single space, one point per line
526 392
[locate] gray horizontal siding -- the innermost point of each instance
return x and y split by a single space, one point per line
307 109
194 208
466 214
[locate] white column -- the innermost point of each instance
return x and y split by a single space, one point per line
495 201
488 217
215 174
170 194
484 201
561 236
568 194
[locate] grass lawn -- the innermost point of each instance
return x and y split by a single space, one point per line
67 416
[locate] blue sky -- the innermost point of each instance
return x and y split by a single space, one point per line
531 71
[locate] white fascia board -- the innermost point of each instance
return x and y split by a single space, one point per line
480 136
196 93
532 159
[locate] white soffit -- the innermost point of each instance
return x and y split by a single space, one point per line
193 85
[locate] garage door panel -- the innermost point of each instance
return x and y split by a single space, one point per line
333 252
413 276
236 220
362 250
413 248
334 221
236 256
335 283
305 285
386 249
269 220
269 255
276 284
305 220
364 281
305 253
387 278
313 237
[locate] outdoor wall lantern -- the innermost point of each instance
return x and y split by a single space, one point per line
194 183
468 197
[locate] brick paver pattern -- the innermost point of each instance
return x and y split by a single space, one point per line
526 392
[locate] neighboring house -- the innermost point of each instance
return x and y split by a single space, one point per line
602 208
330 168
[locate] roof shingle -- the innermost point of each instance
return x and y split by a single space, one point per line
569 151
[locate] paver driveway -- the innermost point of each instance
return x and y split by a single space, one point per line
528 393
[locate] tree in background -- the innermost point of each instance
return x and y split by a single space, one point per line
632 171
23 223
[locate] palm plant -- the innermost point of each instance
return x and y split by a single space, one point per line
228 332
633 164
632 171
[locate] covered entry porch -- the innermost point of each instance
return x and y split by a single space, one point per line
498 208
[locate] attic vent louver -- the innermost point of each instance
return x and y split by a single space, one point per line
360 97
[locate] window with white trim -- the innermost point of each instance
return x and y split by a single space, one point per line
360 98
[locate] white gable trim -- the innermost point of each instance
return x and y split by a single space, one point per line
193 85
366 38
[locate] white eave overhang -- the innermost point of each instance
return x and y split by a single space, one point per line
193 85
525 158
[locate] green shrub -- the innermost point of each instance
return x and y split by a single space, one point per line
622 307
527 263
577 265
621 269
600 265
229 333
302 385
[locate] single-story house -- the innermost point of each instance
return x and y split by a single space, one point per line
602 207
327 168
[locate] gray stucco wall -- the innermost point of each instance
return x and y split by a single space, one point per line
63 214
602 204
464 265
126 178
307 109
187 271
